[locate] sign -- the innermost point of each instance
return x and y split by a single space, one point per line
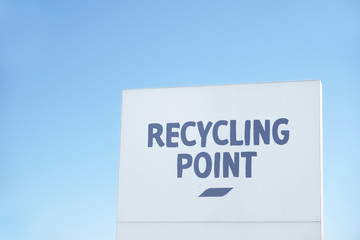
221 162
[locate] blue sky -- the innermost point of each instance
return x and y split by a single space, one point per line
63 65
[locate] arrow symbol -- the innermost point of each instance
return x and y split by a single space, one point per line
215 192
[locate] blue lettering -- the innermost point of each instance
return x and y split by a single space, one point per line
248 156
204 132
285 133
170 134
183 134
230 163
260 130
206 173
180 165
155 135
216 132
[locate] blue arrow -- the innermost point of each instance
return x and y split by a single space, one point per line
215 192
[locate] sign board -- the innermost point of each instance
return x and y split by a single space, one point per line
221 162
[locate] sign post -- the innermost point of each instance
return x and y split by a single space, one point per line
221 162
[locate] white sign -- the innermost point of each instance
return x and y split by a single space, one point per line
221 162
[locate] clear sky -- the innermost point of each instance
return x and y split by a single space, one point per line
63 65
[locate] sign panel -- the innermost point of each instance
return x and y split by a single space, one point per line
221 162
